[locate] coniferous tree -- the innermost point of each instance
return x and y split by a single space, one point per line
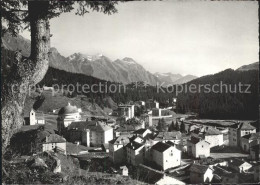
182 127
177 127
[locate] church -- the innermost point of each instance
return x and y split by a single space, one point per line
67 115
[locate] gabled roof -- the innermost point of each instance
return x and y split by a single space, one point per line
123 139
221 172
140 131
212 131
167 136
91 125
54 138
161 147
246 126
134 145
195 140
196 168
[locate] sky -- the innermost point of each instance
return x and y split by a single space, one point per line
181 37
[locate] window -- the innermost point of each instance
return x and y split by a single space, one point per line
202 146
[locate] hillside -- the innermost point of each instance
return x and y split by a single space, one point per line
253 66
124 70
228 104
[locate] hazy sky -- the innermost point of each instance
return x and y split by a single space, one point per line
183 37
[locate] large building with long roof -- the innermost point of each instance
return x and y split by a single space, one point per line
93 133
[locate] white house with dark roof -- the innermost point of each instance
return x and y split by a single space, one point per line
135 153
200 174
213 136
117 150
54 142
165 156
97 131
239 165
126 110
198 147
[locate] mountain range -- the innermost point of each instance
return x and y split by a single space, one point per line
253 66
125 70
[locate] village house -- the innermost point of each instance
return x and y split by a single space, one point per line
130 126
94 133
213 136
126 110
111 122
141 103
35 118
200 174
239 165
233 135
238 130
157 112
66 116
192 127
124 170
117 152
174 136
247 141
150 104
135 153
165 156
147 119
198 147
143 132
254 153
54 142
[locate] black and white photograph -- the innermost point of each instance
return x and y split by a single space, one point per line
159 92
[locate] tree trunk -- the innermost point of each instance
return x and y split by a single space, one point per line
25 71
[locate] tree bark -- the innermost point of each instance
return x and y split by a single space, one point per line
25 71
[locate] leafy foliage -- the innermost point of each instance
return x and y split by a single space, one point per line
16 15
